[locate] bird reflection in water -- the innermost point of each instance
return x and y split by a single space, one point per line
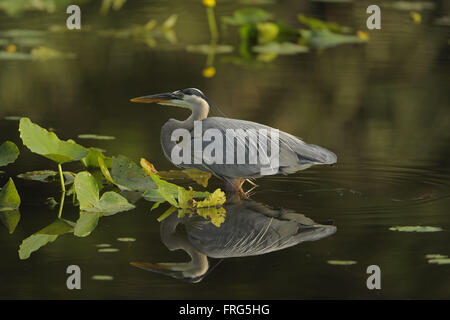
250 229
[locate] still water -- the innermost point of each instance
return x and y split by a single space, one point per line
381 106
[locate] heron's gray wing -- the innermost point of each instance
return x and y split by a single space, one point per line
293 153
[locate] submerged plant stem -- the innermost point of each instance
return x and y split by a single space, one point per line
212 25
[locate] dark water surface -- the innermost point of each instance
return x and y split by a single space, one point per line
382 107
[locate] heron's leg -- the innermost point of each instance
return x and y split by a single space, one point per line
234 189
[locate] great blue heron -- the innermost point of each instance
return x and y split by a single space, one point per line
250 229
291 155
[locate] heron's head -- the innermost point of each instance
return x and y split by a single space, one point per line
190 98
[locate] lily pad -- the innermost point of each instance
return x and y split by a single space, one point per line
341 262
102 277
8 153
95 137
47 144
415 229
47 176
209 49
108 250
126 239
103 245
88 195
440 261
44 236
436 256
91 160
12 118
44 53
286 48
322 39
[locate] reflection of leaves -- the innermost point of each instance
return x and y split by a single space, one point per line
217 215
86 223
47 144
316 24
9 197
281 48
88 195
44 236
246 16
217 198
321 39
415 229
8 153
10 219
209 49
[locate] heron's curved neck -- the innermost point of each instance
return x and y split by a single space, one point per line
199 112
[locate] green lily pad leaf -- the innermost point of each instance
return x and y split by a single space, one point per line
341 262
8 153
103 245
126 239
91 160
440 261
286 48
102 277
12 118
47 144
247 16
86 223
436 256
316 24
170 22
10 219
415 229
95 137
44 236
88 195
209 49
47 176
5 55
322 39
126 174
108 250
9 197
44 53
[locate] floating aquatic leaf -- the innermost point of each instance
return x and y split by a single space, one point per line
209 49
88 195
47 144
415 229
86 223
9 197
44 53
5 55
281 48
316 24
440 261
247 16
102 277
43 237
8 153
91 160
108 250
341 262
436 256
267 32
321 39
410 5
47 176
103 245
170 22
12 118
95 137
10 219
167 213
126 239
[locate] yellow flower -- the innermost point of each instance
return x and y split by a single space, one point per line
11 48
209 72
362 35
209 3
417 18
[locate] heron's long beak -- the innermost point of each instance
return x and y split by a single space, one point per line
181 270
156 98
